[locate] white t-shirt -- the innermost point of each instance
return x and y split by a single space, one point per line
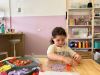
64 51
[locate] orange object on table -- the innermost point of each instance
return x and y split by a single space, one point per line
68 67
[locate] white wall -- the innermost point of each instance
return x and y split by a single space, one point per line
79 2
4 5
38 7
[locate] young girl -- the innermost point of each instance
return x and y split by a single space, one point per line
58 49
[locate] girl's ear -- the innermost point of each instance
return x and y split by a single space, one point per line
52 41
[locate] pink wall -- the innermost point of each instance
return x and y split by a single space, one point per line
37 31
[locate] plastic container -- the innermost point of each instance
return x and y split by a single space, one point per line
97 44
31 65
83 44
79 44
87 44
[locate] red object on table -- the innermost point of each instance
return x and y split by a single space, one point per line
68 67
3 73
35 73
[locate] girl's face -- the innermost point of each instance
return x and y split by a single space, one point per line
59 40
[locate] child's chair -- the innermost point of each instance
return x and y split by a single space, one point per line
14 42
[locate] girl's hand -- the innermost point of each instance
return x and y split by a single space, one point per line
77 57
70 61
74 63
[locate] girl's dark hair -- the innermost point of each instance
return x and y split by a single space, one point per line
58 31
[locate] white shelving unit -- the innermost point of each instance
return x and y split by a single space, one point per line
92 27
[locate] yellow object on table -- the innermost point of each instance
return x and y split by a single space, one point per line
5 68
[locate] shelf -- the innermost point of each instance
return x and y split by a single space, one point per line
83 25
96 17
96 25
96 48
11 33
80 9
82 48
98 8
79 38
97 38
80 25
97 33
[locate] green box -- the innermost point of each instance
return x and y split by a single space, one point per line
97 44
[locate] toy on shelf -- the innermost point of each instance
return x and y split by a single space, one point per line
80 44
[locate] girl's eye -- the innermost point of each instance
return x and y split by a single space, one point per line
62 39
58 40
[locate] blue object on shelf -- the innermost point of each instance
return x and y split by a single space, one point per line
71 44
97 44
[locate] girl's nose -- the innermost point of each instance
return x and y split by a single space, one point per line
61 42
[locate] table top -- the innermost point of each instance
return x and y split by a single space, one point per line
17 33
87 67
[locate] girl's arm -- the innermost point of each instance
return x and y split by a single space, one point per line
53 56
75 55
56 57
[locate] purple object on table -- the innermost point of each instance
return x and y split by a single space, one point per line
23 71
58 67
19 72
